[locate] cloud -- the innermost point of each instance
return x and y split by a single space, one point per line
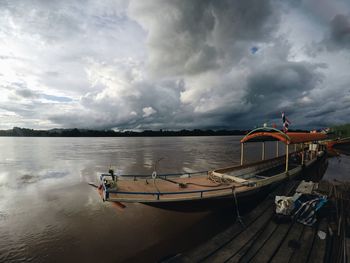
191 37
148 111
173 64
122 97
338 36
26 93
281 82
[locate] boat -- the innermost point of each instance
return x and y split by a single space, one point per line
205 190
336 146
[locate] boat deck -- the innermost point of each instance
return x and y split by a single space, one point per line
170 189
196 187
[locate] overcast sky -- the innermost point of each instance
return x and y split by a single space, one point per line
160 64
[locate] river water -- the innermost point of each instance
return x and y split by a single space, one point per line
49 213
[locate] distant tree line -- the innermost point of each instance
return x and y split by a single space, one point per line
16 131
341 131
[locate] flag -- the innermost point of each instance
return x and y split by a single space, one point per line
285 122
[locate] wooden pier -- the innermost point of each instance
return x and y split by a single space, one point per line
259 237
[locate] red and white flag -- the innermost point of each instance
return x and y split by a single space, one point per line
285 122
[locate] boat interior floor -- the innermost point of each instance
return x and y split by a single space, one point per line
276 170
265 173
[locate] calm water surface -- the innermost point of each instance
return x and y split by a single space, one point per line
48 212
339 167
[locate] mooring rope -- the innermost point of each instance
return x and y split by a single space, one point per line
239 218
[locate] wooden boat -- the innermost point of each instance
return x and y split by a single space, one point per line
335 146
220 186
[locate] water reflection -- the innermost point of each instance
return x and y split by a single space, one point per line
48 212
338 167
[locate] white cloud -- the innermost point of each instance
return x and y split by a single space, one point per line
148 111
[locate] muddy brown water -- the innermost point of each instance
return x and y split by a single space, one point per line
339 166
49 213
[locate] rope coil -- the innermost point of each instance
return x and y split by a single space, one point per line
220 179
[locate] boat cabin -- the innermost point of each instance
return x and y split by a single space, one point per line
297 139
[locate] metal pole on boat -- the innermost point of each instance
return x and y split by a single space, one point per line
263 151
242 153
287 157
277 148
295 147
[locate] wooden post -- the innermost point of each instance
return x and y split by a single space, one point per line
302 154
263 151
242 153
287 156
277 149
310 150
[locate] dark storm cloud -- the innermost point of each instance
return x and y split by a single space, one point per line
174 64
280 81
338 36
323 112
277 88
189 37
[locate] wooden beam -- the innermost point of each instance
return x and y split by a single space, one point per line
287 156
302 154
242 153
263 151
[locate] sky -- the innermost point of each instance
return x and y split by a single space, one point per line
174 64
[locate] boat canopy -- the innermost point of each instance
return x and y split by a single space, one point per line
287 138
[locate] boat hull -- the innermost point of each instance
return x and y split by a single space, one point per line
215 203
245 200
215 190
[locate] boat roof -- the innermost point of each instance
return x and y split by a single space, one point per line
287 138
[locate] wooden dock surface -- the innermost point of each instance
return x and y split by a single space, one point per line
261 238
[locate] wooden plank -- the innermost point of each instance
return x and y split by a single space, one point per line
318 250
301 254
242 239
268 250
246 238
212 245
286 251
215 244
348 249
248 252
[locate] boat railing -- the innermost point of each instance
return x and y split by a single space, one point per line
107 192
147 176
